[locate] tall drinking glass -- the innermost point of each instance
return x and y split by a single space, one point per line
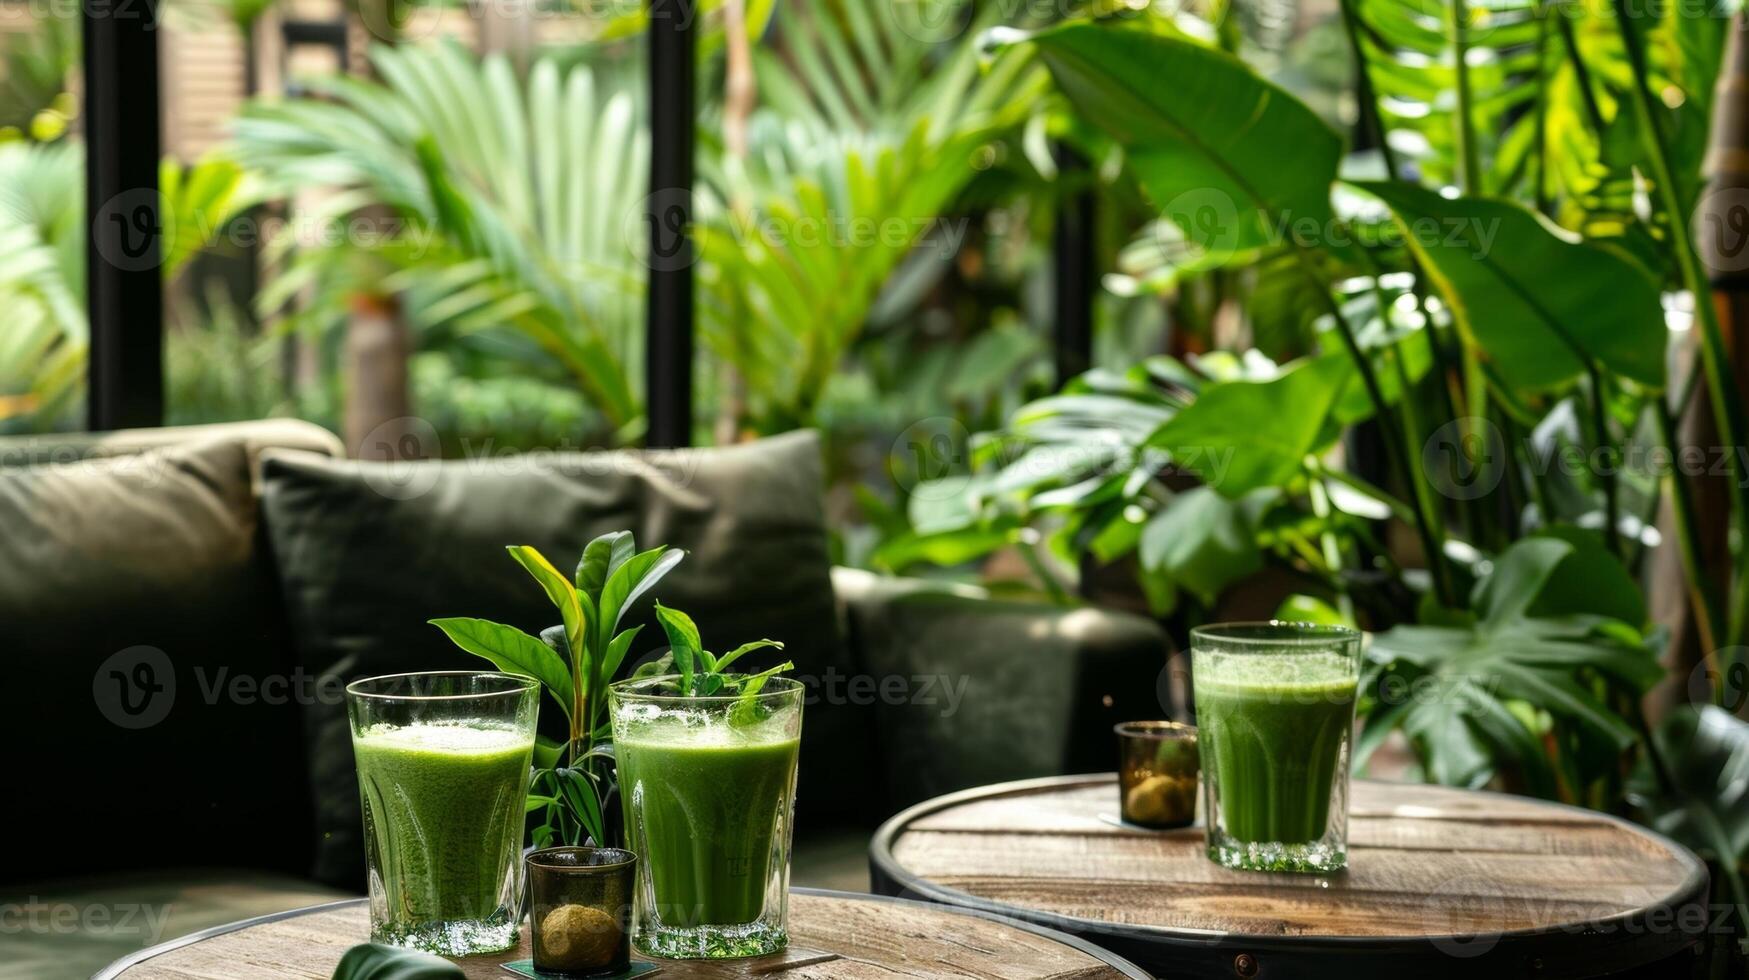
443 764
708 785
1274 715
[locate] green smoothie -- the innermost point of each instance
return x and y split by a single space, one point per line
1271 731
443 811
710 799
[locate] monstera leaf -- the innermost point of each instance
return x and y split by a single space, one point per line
1204 135
1707 807
1242 435
1471 691
1705 804
1537 304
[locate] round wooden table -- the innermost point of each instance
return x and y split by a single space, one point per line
834 936
1440 883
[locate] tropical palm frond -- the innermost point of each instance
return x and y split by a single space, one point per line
37 65
508 202
865 137
1547 80
1412 66
44 335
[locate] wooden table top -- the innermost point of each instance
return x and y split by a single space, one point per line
860 937
1435 875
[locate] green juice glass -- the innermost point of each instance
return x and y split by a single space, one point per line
443 765
708 788
1275 715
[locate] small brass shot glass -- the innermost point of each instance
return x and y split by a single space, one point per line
580 910
1157 773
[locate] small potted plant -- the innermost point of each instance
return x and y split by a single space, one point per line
574 661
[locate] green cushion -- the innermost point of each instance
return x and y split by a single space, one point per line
255 437
117 577
999 690
369 551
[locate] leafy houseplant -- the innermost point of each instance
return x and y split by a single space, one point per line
574 661
1474 327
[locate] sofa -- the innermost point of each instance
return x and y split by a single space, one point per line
184 606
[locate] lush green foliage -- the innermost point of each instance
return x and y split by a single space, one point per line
42 265
1450 320
502 211
574 661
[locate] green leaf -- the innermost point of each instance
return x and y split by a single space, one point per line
1300 608
1707 806
747 710
683 642
559 592
369 961
1242 435
752 684
1532 301
512 651
1202 132
547 752
660 667
1482 675
726 659
1518 578
580 795
600 558
1202 541
616 651
1590 581
626 582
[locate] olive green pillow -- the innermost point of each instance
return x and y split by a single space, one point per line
368 552
149 675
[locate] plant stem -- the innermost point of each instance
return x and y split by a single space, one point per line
1436 564
1606 472
1469 162
1375 119
1581 73
1401 510
1059 595
1539 176
1327 541
1706 612
1726 403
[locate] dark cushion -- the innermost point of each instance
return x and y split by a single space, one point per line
151 689
993 690
369 551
